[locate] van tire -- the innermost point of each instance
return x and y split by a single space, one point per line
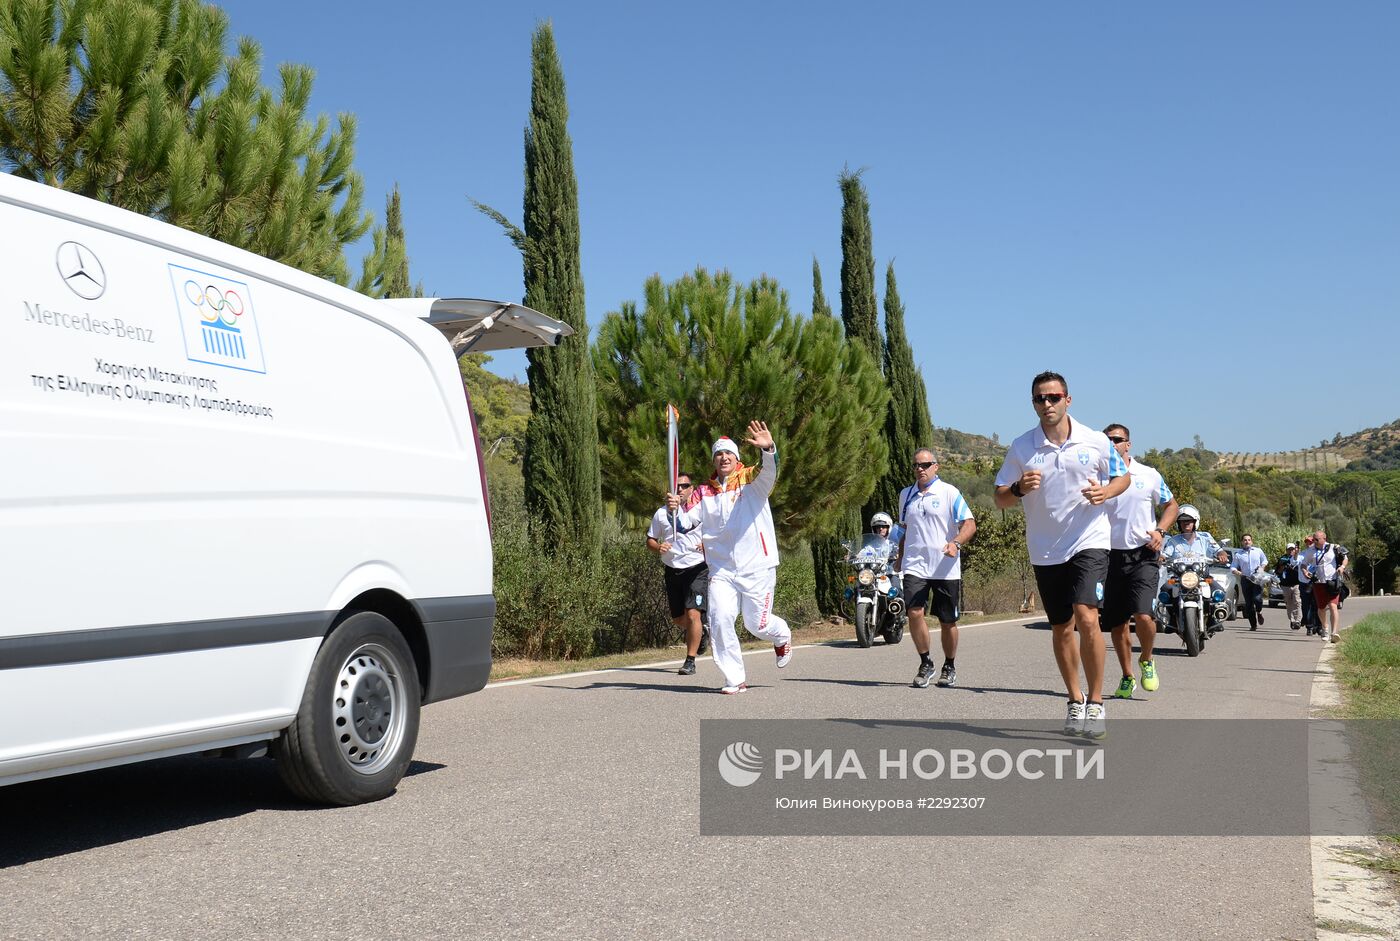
363 678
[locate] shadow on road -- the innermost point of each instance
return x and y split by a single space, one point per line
1002 689
852 645
1037 626
839 682
72 813
1010 729
685 685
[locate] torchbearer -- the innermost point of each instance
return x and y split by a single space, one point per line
731 517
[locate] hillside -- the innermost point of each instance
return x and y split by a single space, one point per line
1368 449
959 447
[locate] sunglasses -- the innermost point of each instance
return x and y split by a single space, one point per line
1116 440
1048 398
923 465
685 486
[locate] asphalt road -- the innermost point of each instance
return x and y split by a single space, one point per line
568 807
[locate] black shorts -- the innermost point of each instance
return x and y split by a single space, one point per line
1077 581
1131 587
686 589
941 597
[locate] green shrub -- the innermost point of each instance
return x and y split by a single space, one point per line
544 610
795 598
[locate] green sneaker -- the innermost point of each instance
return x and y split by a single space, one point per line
1126 687
1149 676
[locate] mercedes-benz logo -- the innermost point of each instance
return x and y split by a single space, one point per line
81 271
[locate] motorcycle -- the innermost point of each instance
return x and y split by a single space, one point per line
1191 604
872 589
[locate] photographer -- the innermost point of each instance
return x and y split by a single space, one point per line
1329 564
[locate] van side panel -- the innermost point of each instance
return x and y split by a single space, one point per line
194 434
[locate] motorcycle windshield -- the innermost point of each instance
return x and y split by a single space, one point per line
872 548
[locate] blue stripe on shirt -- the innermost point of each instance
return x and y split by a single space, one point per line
1116 467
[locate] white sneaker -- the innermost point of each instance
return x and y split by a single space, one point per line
1333 638
1074 719
784 652
735 690
1094 724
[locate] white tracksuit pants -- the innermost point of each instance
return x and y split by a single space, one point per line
753 593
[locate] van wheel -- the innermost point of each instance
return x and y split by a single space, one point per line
358 722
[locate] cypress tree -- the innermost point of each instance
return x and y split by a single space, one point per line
820 308
562 483
1238 521
907 425
860 316
396 281
859 308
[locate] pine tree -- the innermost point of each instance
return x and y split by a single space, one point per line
860 316
907 425
820 308
137 103
819 394
562 482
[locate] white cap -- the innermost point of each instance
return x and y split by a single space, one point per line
1291 545
725 444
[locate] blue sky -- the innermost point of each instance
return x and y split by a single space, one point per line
1192 210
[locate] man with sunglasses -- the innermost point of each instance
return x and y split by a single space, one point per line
730 514
1056 472
1136 534
687 580
936 523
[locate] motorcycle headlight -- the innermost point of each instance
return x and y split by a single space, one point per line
866 577
1190 579
1219 595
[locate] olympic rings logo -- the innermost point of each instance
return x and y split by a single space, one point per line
225 306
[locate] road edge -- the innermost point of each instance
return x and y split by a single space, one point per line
530 680
1353 901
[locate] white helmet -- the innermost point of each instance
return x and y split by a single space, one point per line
881 519
1188 511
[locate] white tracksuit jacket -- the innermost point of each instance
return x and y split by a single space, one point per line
734 520
736 526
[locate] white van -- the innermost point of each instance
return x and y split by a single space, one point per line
239 505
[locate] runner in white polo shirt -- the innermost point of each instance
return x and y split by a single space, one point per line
1055 470
937 523
1136 533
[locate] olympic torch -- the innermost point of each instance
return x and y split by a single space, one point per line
673 455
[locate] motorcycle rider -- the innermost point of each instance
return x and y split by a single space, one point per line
881 524
1248 561
1189 544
